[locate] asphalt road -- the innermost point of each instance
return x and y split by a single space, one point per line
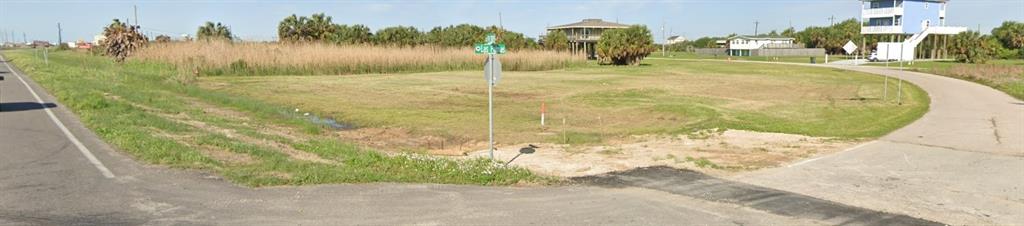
46 177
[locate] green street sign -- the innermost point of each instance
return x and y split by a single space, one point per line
490 38
489 49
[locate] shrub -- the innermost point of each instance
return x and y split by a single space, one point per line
211 31
971 47
122 40
625 46
556 40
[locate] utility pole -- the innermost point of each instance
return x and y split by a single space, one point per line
832 20
756 24
135 10
24 38
60 39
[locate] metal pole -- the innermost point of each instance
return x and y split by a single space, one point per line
46 57
888 55
899 89
490 107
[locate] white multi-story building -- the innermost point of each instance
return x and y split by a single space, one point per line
917 18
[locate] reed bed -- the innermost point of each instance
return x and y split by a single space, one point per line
224 58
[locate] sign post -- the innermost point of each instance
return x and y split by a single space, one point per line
492 73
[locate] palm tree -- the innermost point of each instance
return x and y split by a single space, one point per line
288 29
121 40
211 31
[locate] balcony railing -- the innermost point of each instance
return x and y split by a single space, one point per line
882 12
881 30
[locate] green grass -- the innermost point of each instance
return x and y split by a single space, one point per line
1003 75
601 103
139 108
787 59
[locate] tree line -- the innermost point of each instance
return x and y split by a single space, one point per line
321 28
1004 42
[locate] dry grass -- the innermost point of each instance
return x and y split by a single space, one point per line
1003 75
600 104
223 58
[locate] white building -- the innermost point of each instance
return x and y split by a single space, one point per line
675 39
910 20
742 45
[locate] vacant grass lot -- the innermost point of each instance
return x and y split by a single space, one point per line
600 103
1003 75
140 109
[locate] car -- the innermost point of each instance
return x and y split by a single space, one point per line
873 57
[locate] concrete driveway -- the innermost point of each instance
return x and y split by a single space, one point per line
962 163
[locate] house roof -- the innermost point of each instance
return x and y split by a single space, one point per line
673 37
761 37
590 23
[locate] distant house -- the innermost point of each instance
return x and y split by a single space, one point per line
583 35
98 38
43 44
675 39
744 45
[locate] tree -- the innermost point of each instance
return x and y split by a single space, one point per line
211 31
556 40
512 40
1011 34
625 46
398 36
163 39
355 34
971 47
290 29
458 35
122 39
789 32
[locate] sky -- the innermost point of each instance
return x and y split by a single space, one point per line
257 20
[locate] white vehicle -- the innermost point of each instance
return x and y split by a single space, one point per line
873 57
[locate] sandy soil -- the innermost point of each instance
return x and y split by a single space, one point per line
716 153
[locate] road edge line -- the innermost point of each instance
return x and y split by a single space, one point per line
67 133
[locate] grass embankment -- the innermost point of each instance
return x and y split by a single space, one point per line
222 58
139 109
1003 75
600 103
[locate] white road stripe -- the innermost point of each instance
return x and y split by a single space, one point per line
833 154
81 148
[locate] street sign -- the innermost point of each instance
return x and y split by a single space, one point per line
492 69
490 39
489 48
850 47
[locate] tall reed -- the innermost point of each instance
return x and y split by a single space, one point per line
249 58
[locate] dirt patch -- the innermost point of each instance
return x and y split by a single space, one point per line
399 139
714 153
264 128
215 153
184 118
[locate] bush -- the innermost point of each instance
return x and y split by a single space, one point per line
122 39
556 40
971 47
625 46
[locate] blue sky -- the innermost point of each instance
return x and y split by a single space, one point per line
257 20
